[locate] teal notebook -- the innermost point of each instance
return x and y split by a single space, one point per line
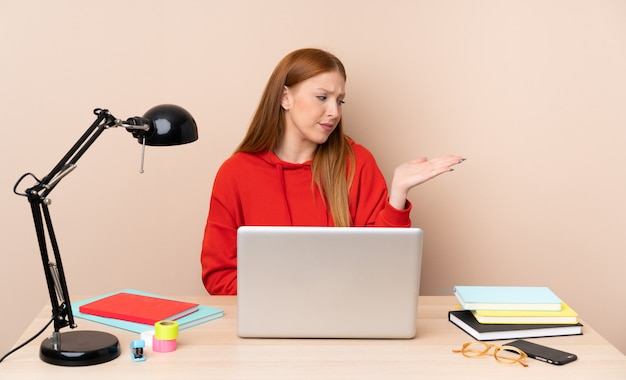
204 314
507 298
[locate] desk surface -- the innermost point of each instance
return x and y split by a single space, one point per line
213 350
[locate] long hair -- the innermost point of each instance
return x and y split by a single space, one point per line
333 158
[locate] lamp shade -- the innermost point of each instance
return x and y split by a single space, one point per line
170 125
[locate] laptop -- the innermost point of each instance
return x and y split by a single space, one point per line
328 282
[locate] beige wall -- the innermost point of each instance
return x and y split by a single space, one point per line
532 92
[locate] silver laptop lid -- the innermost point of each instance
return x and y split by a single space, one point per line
328 282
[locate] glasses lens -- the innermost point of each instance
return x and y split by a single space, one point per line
507 355
474 349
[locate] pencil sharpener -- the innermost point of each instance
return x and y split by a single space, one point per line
136 350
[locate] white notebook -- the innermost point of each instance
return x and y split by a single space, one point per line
328 282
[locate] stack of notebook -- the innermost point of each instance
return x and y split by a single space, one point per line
512 312
138 311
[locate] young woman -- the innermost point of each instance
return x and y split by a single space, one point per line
296 167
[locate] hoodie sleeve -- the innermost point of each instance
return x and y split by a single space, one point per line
369 199
219 245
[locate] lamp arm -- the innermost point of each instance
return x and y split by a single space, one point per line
37 197
103 121
53 270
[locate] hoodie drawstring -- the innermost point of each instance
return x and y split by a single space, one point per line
283 188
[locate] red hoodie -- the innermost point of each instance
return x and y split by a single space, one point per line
262 190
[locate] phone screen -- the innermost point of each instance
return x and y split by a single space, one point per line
543 353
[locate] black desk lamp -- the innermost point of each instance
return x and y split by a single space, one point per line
162 125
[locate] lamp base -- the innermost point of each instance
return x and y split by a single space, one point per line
80 348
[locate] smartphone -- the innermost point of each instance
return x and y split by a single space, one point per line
543 353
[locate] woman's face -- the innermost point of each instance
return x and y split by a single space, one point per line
313 109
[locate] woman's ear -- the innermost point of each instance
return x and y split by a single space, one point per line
285 101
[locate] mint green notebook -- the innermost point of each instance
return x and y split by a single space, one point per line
507 298
204 314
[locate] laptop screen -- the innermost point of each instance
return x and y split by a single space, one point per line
328 282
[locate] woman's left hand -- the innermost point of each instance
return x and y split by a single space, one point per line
416 172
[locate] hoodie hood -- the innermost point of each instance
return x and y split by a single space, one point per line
272 159
281 167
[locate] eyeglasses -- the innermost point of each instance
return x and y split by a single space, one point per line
503 354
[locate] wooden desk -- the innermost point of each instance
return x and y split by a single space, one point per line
213 351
